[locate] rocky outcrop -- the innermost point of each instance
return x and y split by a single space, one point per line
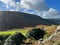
54 38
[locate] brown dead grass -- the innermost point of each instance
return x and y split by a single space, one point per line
49 29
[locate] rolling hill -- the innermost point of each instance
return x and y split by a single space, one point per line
11 19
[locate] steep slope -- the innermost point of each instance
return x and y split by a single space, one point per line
9 20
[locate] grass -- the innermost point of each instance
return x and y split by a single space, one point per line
49 29
13 31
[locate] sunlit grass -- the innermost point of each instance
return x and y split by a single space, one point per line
13 31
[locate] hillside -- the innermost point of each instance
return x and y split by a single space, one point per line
54 21
10 20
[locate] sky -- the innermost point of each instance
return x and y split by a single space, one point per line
43 8
53 4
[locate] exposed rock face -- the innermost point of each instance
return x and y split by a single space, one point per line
54 38
57 30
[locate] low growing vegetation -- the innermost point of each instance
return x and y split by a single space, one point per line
35 33
24 37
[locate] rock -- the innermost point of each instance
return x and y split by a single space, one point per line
9 42
54 38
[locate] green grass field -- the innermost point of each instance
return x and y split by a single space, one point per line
13 31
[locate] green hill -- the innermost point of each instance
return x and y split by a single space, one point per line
12 20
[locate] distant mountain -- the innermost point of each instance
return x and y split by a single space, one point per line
54 21
10 20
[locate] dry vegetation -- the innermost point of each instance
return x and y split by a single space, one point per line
49 30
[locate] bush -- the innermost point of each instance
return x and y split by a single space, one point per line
3 37
35 33
46 36
15 39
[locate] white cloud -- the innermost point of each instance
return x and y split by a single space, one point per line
8 2
51 13
28 4
11 3
38 5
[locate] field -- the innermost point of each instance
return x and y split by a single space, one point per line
13 31
49 29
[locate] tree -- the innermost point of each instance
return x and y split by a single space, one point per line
35 33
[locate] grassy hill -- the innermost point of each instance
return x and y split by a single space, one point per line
10 20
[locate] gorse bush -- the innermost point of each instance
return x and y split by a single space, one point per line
35 33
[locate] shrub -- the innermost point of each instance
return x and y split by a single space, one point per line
15 39
35 33
3 37
46 36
